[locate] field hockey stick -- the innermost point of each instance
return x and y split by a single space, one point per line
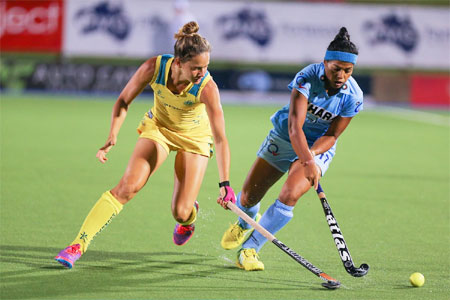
339 239
330 283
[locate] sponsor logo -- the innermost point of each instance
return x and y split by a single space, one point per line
273 149
392 29
300 81
80 77
105 17
297 257
248 23
17 20
338 239
320 112
106 224
83 236
188 103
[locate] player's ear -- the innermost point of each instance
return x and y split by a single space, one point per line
177 61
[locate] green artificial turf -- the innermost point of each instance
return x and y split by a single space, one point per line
388 187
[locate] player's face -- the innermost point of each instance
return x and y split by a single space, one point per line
195 68
337 72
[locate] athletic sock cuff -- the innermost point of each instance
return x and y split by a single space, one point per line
113 201
192 218
284 209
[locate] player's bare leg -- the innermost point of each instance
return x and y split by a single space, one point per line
146 158
189 172
295 185
261 177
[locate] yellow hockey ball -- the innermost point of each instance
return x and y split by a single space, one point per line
417 279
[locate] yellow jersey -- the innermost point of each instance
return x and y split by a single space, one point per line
182 113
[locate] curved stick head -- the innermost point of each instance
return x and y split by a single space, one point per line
359 272
331 285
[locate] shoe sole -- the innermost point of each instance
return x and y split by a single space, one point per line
64 262
242 267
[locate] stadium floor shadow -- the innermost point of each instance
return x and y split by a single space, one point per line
36 275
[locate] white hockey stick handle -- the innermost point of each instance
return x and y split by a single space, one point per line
250 221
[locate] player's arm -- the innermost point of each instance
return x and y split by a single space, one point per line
211 98
133 88
325 142
297 115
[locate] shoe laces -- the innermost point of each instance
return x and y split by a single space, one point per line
237 230
73 249
251 253
183 229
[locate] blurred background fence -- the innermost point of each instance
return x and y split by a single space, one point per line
94 46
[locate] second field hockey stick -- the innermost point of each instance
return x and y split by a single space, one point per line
330 282
339 239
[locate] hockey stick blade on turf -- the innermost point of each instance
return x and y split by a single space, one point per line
339 239
330 282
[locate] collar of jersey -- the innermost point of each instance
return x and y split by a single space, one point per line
166 77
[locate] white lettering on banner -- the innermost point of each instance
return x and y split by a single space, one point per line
38 20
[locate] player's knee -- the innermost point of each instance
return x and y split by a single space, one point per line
249 199
181 213
290 196
125 191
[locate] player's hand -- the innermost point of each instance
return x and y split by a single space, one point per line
101 153
226 194
312 173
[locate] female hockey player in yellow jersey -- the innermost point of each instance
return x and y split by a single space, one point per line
185 118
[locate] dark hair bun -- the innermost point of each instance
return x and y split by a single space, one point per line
343 34
187 29
342 42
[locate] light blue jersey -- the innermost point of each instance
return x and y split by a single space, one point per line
322 109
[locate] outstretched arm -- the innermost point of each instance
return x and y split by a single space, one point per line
133 88
211 98
297 115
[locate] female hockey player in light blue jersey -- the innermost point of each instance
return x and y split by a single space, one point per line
324 99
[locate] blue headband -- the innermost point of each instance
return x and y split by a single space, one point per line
342 56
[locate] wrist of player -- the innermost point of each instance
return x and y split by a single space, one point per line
308 163
229 193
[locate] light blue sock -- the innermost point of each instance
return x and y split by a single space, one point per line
275 217
251 211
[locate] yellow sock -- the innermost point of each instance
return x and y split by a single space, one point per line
106 208
192 218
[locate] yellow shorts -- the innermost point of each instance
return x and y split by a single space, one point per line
173 141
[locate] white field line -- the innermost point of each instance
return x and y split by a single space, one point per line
413 115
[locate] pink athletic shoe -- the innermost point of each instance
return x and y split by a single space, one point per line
183 233
68 256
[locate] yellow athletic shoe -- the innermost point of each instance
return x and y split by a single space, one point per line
235 235
248 260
